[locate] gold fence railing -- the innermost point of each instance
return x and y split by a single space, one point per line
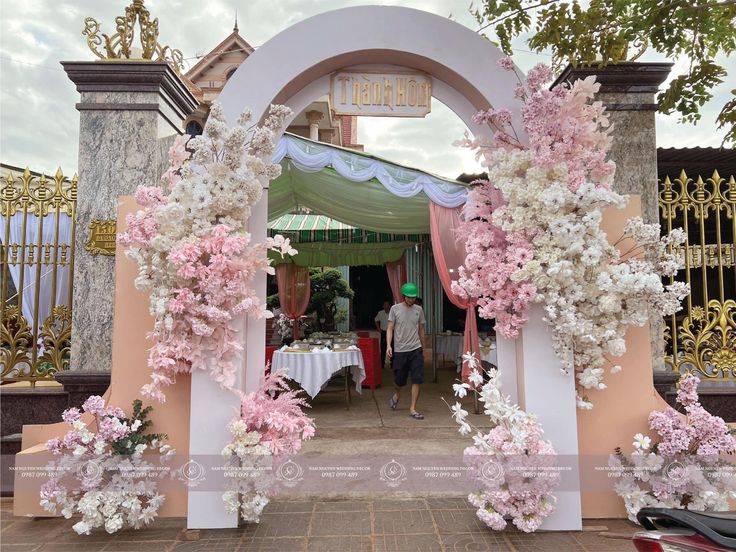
702 337
37 227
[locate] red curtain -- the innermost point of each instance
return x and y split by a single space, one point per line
449 254
293 283
397 277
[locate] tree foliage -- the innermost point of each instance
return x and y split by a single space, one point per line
609 31
326 286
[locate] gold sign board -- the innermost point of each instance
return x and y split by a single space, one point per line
102 237
375 94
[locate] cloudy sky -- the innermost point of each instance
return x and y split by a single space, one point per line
38 121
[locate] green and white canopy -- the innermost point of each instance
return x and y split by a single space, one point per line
322 241
368 210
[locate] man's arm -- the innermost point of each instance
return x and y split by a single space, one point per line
421 335
378 323
389 337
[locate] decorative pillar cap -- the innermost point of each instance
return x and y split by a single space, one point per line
314 116
132 76
621 77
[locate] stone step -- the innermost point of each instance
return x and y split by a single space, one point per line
9 446
30 405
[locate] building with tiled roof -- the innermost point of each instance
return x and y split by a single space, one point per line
208 77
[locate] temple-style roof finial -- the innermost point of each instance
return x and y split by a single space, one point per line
235 28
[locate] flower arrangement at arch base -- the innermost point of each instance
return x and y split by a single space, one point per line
105 475
270 424
513 463
685 467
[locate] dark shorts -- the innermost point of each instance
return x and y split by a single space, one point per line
408 363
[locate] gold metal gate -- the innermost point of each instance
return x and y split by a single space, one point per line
37 227
702 337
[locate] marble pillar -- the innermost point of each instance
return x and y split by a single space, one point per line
129 114
628 92
313 118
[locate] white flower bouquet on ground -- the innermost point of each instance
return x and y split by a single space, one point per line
103 471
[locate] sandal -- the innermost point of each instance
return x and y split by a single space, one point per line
393 402
417 415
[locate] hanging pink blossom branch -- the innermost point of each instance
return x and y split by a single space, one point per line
534 231
195 257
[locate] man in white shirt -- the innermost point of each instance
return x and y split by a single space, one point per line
406 335
381 321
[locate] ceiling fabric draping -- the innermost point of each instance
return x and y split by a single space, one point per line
319 228
401 181
367 210
355 188
343 254
322 241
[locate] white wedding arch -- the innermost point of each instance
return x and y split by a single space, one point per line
294 69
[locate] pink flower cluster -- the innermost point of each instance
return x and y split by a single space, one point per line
178 154
697 433
275 412
102 473
563 128
487 246
684 469
213 273
110 427
195 257
517 477
514 464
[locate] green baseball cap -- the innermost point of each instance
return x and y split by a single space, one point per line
409 289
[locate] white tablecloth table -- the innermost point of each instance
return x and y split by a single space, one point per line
448 345
314 369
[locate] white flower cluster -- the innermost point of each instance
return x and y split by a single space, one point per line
591 292
219 186
109 490
249 473
499 407
195 256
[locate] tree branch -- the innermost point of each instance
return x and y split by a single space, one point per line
498 20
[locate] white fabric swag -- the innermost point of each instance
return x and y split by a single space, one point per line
309 156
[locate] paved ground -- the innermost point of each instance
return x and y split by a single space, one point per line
426 525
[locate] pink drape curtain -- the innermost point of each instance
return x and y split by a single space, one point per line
397 277
449 254
293 283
